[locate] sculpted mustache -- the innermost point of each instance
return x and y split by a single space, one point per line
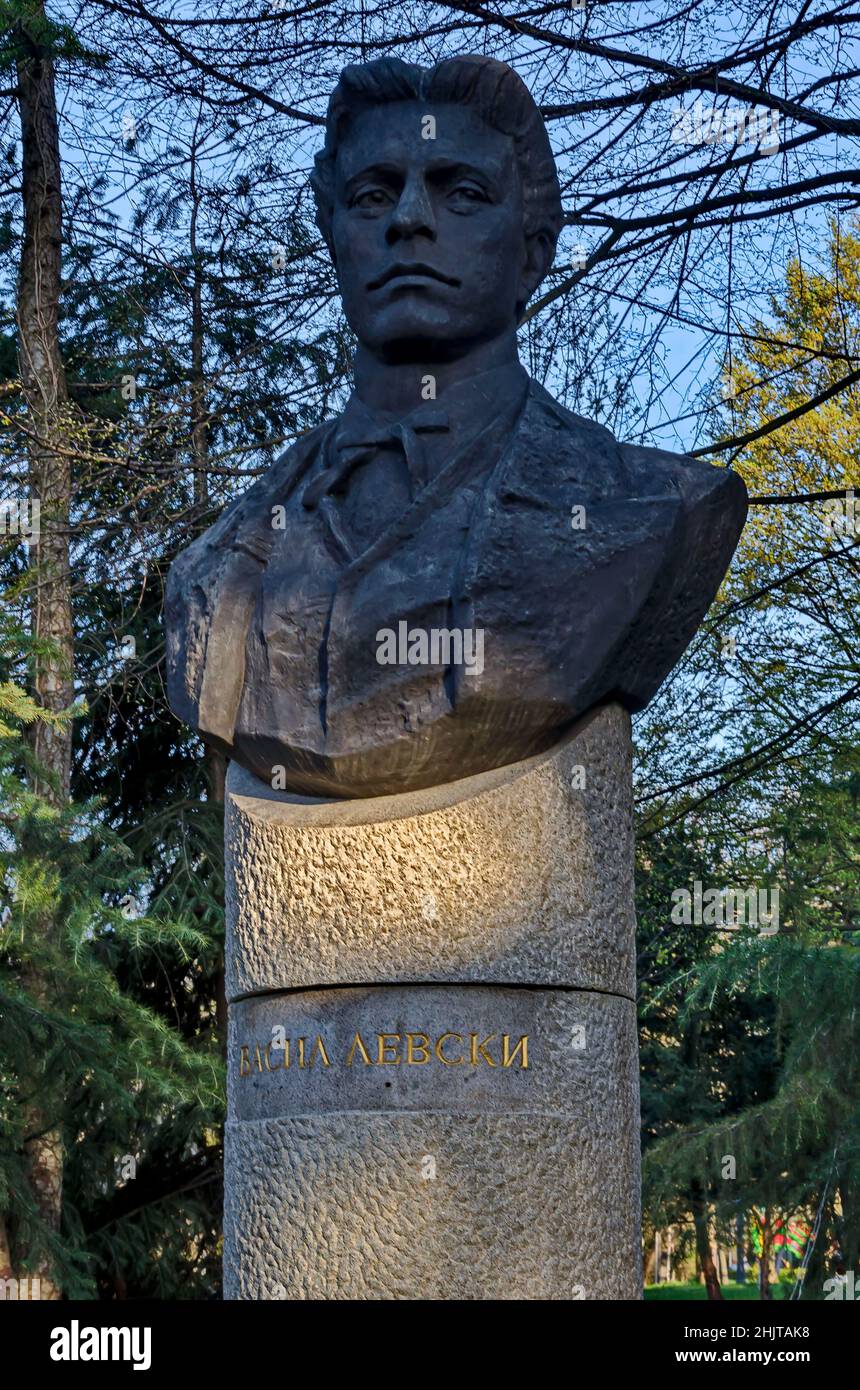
415 268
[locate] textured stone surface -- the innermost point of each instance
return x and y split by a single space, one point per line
516 876
459 1038
523 1206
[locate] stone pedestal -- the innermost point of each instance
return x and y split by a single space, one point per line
433 1071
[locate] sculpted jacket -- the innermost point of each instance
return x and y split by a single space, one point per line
587 565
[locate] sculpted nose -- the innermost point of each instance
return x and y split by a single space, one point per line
413 215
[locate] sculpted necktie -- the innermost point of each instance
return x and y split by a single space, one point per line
355 446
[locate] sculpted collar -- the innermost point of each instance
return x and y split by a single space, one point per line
461 413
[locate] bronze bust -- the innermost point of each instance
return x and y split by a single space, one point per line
442 579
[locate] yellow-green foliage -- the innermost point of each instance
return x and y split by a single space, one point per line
811 343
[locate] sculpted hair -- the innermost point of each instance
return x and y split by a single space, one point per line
496 92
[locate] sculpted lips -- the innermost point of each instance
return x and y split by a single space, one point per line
411 270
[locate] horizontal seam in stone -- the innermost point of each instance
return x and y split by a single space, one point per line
428 984
424 1110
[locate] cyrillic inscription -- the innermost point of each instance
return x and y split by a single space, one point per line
388 1050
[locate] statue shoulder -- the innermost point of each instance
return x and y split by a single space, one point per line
698 484
710 518
586 452
254 505
627 546
557 453
211 589
547 415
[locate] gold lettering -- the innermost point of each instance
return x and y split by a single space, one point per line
449 1061
383 1042
411 1042
479 1047
365 1055
277 1048
522 1047
319 1047
419 1050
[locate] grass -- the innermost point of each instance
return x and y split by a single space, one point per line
730 1291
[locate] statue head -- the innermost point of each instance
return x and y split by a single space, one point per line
438 198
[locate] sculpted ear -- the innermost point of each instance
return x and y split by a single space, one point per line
539 255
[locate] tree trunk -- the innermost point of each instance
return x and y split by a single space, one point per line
848 1226
764 1263
199 416
6 1271
703 1244
44 382
199 419
44 386
216 774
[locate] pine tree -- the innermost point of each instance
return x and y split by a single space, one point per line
751 1093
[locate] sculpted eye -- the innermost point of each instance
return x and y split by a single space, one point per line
371 198
469 193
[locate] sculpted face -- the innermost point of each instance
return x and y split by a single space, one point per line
428 234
